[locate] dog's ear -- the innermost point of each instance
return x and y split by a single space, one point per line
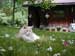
24 26
30 27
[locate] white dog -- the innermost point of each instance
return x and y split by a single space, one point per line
27 34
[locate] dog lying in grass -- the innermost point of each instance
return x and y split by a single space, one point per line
27 34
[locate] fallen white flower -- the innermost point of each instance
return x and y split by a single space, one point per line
51 38
64 50
36 52
50 49
70 41
7 35
10 48
2 50
57 54
62 40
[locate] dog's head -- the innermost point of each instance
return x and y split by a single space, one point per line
27 29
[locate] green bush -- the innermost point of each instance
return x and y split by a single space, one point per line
20 18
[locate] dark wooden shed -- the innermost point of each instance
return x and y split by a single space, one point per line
61 15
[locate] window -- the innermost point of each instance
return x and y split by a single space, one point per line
58 14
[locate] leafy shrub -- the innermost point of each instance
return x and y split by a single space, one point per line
20 17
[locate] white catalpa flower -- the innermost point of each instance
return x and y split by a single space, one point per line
10 48
47 15
26 2
62 40
64 50
7 35
36 52
2 50
70 41
57 54
36 2
50 49
52 38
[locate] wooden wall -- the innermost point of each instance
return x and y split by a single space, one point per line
38 16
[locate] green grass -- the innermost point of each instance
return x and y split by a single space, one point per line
18 47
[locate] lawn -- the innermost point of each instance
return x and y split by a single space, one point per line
50 43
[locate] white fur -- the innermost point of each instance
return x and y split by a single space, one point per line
27 34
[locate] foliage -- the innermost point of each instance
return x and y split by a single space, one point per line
6 13
20 1
46 4
21 16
